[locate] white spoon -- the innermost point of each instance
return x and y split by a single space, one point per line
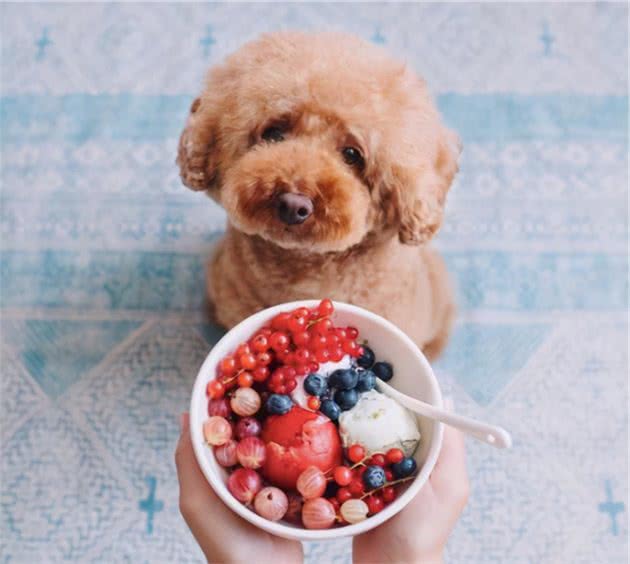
491 434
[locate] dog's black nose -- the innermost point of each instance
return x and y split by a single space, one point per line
293 208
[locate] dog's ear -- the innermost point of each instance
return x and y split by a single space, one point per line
195 155
419 189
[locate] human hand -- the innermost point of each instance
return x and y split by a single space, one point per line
419 532
222 535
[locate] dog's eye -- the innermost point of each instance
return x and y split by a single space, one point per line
352 156
273 134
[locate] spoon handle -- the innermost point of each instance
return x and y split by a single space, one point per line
490 434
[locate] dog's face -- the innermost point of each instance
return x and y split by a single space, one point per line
315 141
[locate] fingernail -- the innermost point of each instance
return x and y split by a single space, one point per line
449 404
184 422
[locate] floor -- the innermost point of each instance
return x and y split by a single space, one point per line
103 254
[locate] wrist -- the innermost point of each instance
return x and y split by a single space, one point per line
361 556
436 557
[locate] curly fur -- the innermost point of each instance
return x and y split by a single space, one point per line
364 243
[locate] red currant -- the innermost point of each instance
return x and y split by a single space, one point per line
281 389
355 487
290 385
331 339
388 493
313 403
260 343
301 370
322 355
302 356
336 354
323 326
313 367
302 312
343 494
215 389
248 361
296 324
341 333
356 453
342 475
317 342
389 475
349 347
280 321
325 308
242 349
264 359
378 460
277 377
360 471
352 332
394 455
375 504
227 366
301 338
283 356
245 380
279 341
266 331
260 373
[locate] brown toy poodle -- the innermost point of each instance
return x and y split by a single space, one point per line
333 166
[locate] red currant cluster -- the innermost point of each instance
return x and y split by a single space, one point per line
293 344
353 484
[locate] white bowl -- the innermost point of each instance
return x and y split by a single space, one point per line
412 375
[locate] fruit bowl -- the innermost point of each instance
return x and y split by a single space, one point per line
414 377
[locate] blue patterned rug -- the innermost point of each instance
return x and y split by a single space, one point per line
103 253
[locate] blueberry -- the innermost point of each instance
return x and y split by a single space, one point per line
333 379
330 409
315 385
367 381
345 378
366 360
278 404
406 467
383 370
346 399
373 477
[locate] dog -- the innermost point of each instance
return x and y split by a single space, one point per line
333 166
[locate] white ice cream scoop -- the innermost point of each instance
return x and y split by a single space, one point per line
491 434
378 423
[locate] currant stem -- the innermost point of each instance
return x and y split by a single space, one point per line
387 484
231 379
360 463
311 323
